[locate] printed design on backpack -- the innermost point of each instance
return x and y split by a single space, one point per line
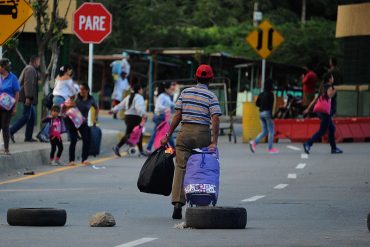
200 188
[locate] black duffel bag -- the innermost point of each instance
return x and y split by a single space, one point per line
156 175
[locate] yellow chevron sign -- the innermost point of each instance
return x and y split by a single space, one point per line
265 39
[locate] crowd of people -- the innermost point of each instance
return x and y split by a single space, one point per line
67 95
71 104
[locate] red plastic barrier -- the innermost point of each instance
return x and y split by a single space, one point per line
300 130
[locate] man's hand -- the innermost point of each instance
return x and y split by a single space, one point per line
164 140
14 112
28 102
212 147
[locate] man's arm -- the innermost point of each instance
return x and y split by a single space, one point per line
176 119
215 130
28 86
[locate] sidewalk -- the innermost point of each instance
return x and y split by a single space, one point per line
26 156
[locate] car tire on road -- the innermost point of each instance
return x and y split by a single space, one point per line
368 222
216 217
36 217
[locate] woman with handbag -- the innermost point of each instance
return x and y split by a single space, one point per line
322 108
9 95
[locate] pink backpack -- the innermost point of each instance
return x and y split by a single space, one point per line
136 133
162 130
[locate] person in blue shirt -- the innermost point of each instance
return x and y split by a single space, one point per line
9 87
164 105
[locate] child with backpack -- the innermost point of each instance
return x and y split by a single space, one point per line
56 129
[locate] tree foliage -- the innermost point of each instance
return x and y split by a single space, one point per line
222 25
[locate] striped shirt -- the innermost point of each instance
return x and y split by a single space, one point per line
197 105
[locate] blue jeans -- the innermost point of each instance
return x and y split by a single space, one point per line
326 123
267 128
157 119
28 117
58 100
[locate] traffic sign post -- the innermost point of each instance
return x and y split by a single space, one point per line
92 23
13 14
264 40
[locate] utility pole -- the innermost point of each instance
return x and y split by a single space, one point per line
255 10
303 14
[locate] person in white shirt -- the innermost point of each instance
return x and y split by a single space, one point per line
164 105
120 87
64 86
134 105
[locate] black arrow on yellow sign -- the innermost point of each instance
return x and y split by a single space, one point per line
265 39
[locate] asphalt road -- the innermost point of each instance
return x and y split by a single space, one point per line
292 200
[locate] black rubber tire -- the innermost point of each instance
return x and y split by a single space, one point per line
368 222
216 217
36 217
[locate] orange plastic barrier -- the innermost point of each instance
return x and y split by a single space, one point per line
300 130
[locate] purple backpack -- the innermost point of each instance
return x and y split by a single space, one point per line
201 182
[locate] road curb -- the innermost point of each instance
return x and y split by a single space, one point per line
33 158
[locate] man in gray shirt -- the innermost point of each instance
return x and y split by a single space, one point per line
29 96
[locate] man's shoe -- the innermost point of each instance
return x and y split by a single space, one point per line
116 151
336 151
177 212
30 140
306 148
12 138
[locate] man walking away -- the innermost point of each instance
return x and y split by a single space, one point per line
196 108
28 95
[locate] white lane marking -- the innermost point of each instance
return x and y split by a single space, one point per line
137 242
253 198
301 166
280 186
294 148
292 175
304 156
46 190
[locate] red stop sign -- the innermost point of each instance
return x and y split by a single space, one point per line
92 23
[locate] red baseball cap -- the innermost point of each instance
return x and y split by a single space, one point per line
204 71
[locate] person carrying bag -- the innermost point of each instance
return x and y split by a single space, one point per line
322 109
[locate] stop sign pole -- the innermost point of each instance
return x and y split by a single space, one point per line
92 23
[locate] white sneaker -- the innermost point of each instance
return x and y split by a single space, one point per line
58 163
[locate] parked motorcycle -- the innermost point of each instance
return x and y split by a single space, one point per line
292 108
